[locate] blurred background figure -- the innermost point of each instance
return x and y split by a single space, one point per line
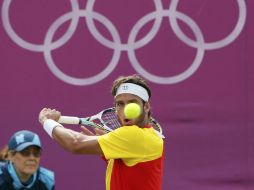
20 164
3 155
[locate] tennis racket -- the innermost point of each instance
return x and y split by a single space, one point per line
106 120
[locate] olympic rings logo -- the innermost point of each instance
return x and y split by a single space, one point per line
117 46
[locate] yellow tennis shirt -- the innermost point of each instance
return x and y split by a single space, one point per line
135 158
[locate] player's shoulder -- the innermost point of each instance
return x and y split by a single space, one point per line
47 177
129 129
130 132
125 133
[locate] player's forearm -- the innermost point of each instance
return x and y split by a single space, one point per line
76 142
72 141
65 138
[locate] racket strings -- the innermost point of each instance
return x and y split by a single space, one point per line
110 119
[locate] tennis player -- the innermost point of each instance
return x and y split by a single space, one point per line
134 152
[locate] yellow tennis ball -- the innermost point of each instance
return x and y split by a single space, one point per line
132 110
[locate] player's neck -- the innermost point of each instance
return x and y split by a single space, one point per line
144 123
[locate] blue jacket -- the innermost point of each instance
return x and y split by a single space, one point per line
43 179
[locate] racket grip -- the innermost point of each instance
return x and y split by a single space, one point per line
69 120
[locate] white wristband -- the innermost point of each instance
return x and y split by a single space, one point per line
49 125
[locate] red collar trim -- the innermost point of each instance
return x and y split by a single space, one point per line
147 126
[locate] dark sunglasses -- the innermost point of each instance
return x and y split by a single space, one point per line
27 153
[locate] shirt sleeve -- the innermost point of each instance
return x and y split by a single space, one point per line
124 142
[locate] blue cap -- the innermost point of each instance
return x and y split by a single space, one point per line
23 139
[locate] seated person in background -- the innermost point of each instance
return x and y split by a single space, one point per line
3 155
22 169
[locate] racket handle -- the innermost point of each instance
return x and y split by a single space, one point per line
69 120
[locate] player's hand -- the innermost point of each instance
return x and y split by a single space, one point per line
47 113
86 131
99 132
96 132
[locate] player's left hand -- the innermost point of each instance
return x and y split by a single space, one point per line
96 132
47 113
86 131
99 132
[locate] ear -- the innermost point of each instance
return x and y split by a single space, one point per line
147 107
10 155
